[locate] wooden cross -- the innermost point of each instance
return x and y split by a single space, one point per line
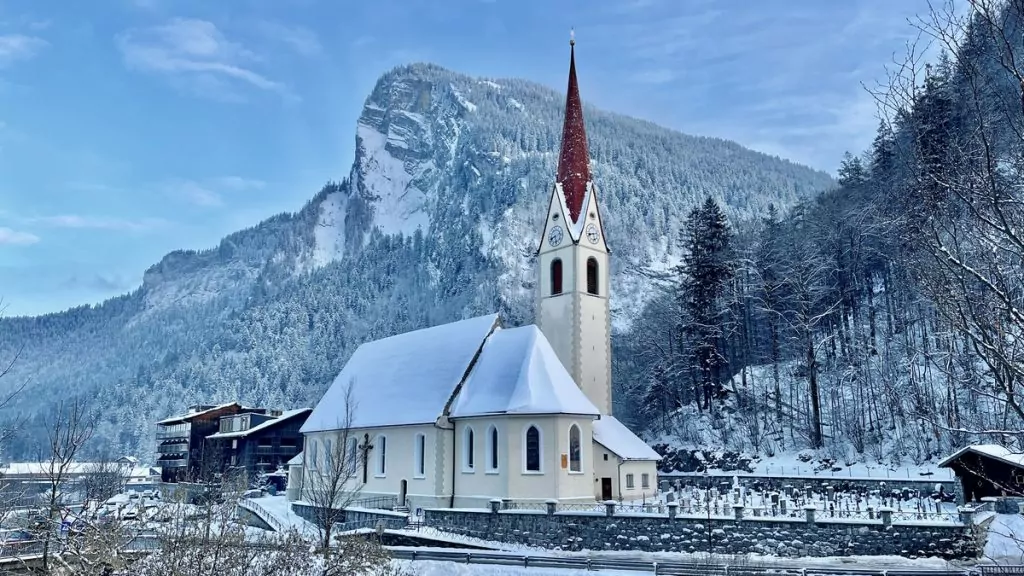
366 447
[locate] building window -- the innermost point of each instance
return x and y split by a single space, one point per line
313 454
328 454
533 449
382 455
492 449
629 482
556 276
421 456
467 449
575 464
351 456
645 480
592 275
605 456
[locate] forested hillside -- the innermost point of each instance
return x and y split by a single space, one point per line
438 219
882 320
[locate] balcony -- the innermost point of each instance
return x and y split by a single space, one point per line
290 450
175 431
173 463
176 448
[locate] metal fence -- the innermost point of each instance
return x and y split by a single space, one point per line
653 567
254 507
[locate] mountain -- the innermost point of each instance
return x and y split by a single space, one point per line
438 219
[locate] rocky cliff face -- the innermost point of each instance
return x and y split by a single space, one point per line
439 218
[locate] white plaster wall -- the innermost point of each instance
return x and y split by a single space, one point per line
637 468
400 463
475 489
605 469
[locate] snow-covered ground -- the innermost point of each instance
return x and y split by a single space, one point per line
1005 543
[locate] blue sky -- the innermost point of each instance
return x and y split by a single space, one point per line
129 128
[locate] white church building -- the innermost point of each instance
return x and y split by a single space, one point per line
459 414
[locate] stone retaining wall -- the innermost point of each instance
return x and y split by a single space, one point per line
659 533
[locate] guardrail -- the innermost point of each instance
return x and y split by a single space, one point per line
146 544
651 567
264 514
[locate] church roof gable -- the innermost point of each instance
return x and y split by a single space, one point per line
614 435
519 373
404 379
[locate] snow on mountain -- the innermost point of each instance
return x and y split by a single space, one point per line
438 219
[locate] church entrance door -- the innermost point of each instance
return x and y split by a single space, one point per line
403 488
606 488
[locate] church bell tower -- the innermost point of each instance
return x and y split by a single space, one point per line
572 288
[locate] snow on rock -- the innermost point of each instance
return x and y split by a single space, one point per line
329 233
399 205
469 106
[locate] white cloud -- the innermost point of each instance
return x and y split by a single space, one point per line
300 39
210 192
195 193
239 183
98 222
196 53
8 236
15 47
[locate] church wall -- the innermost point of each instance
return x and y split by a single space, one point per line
400 459
555 482
638 468
605 469
595 372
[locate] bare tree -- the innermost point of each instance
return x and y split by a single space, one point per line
68 430
330 475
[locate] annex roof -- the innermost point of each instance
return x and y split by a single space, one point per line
994 451
402 380
519 373
614 435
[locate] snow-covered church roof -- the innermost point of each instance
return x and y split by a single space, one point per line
614 435
402 380
519 373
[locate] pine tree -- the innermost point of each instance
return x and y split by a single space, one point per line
706 268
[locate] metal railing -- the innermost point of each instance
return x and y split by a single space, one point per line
264 514
651 567
379 502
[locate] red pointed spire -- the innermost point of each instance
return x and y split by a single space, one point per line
573 161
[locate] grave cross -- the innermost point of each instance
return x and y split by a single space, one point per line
365 447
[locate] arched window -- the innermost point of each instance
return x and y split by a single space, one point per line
382 455
575 462
533 449
492 449
421 456
329 454
467 449
592 275
351 458
556 276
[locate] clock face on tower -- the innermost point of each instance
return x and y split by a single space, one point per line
592 234
555 236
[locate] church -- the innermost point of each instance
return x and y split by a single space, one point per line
462 413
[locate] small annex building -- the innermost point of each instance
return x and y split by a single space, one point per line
987 470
